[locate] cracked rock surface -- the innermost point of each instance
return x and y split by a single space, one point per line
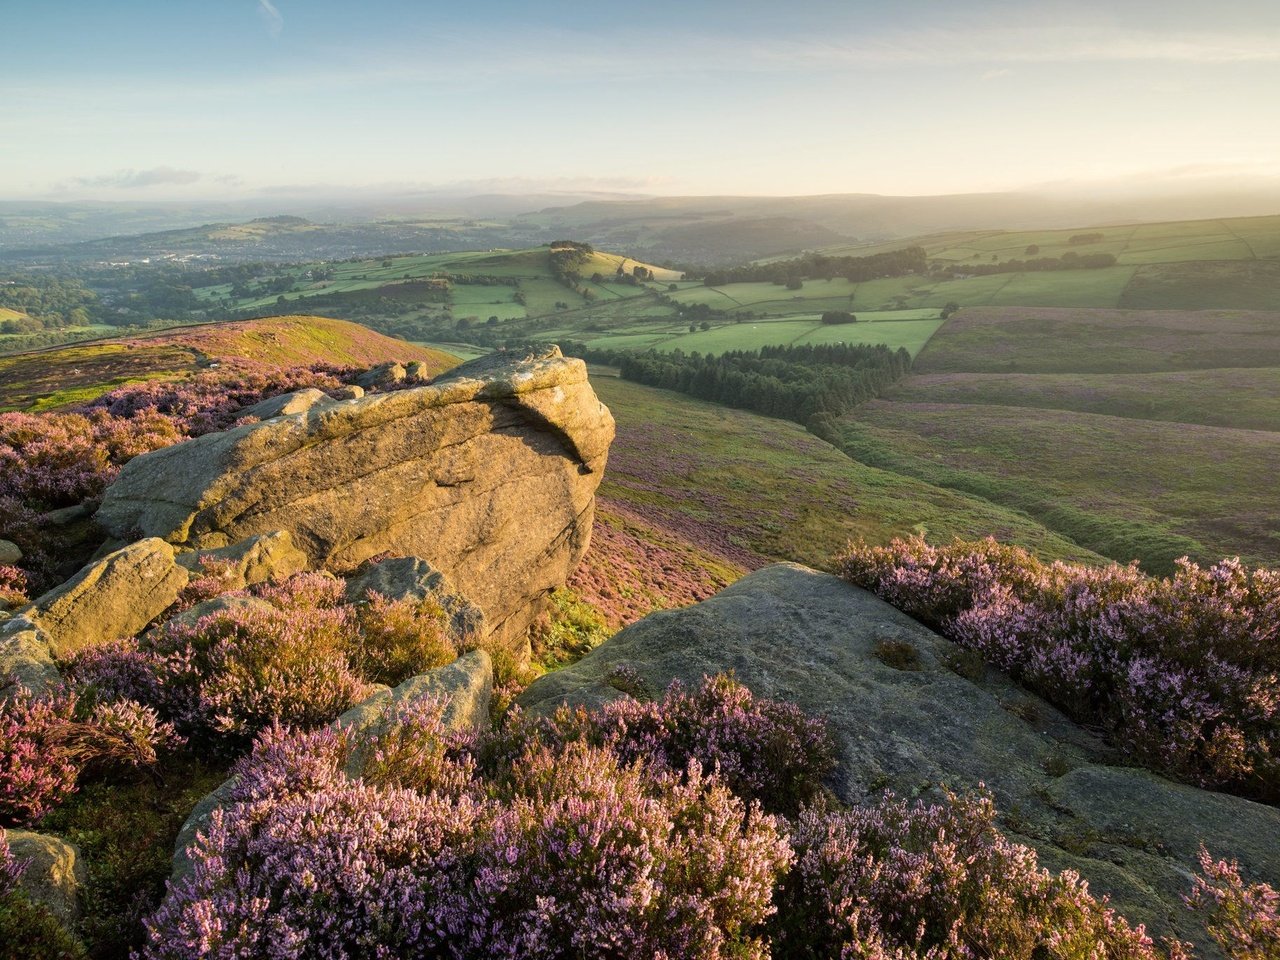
489 473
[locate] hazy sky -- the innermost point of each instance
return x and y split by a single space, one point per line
142 99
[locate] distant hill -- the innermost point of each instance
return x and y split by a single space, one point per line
75 373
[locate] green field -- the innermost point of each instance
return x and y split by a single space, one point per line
1239 238
1134 434
750 489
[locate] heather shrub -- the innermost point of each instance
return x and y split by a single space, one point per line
398 639
299 655
233 672
901 881
47 742
576 854
1243 918
416 751
13 587
597 858
765 750
1183 671
560 845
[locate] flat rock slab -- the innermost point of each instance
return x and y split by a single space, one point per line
794 634
489 473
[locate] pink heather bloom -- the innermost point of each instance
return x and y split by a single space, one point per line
1183 671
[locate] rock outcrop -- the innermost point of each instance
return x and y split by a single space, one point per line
465 686
911 712
56 873
25 660
110 598
489 473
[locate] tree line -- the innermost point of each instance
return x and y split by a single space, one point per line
1068 261
802 383
817 266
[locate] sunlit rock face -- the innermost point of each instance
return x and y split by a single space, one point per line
489 473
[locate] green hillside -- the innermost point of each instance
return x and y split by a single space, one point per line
1134 434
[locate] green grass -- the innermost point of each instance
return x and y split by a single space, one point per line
1126 488
1135 434
1243 398
1053 340
751 488
1240 238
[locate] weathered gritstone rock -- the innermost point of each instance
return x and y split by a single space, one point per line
465 685
110 598
25 658
10 552
798 635
489 473
56 873
270 556
300 401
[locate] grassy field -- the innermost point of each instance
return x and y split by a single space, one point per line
1246 398
1046 340
1120 486
749 489
1239 238
1134 434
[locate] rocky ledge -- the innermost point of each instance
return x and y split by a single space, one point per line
489 473
912 712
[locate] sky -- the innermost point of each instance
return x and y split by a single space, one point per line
225 99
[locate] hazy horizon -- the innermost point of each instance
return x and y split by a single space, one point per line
256 99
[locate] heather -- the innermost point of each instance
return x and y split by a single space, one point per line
1182 671
570 853
581 837
1243 918
936 882
49 742
295 652
765 750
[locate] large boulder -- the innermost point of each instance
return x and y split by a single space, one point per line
911 712
489 473
464 686
110 598
56 873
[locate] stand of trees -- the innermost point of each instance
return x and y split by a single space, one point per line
46 303
1068 261
816 266
800 383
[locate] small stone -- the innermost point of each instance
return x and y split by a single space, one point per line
56 874
10 553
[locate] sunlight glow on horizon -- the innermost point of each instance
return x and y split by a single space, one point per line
142 101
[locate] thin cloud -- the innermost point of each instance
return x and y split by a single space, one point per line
139 179
271 16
